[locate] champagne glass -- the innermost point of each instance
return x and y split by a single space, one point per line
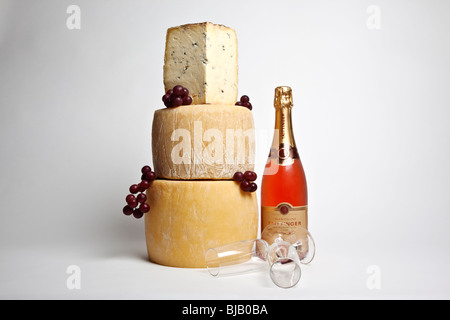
247 256
237 257
298 237
284 263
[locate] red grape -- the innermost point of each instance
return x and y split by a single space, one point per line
144 184
146 169
129 198
177 101
178 91
165 97
127 210
141 198
187 100
185 92
133 203
248 175
144 208
137 213
238 176
245 99
253 187
134 188
150 176
238 103
245 185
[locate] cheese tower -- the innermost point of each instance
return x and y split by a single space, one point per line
197 148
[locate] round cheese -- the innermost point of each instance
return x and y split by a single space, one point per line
188 217
203 142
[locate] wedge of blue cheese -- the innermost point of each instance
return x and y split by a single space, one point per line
203 58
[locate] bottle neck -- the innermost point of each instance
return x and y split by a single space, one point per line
283 144
283 124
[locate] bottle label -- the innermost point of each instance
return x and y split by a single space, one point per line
284 155
286 214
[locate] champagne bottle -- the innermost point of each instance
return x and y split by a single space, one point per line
284 196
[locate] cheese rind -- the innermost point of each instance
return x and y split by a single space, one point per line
203 58
203 142
188 217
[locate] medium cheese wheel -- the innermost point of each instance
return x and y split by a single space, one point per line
203 142
188 217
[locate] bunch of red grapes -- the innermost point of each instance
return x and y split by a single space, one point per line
139 200
176 97
244 102
246 180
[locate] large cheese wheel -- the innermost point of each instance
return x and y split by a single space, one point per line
203 141
188 217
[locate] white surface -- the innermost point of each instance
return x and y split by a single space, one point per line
371 117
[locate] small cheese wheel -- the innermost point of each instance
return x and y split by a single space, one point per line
186 218
203 142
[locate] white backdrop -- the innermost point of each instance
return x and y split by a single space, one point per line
371 83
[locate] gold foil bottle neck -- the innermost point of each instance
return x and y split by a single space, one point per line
283 97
